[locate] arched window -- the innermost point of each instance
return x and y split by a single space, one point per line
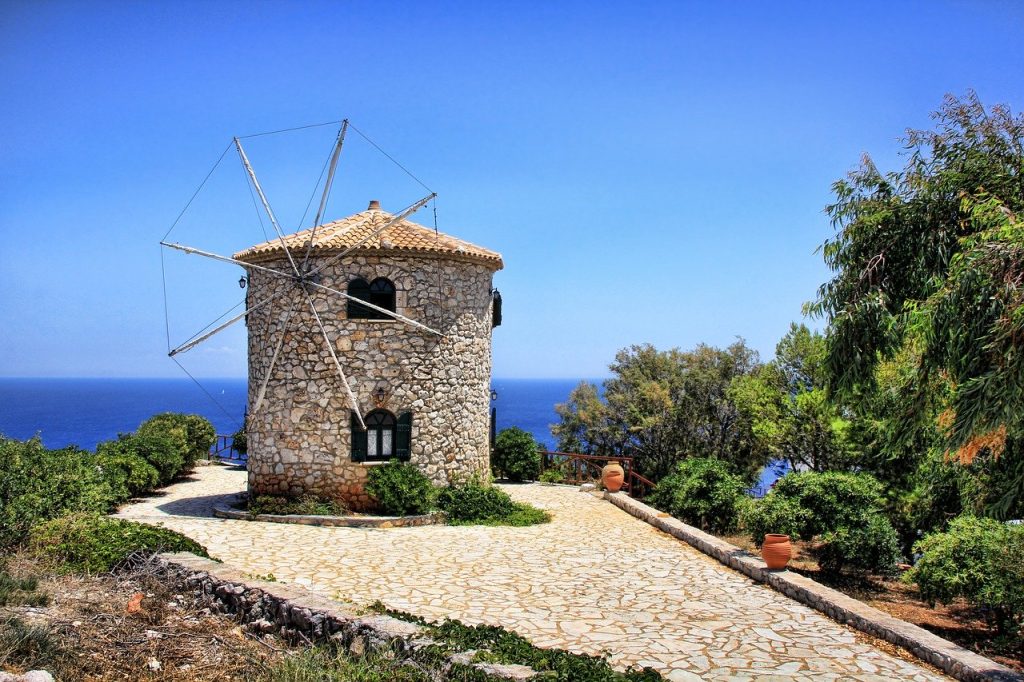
384 438
380 292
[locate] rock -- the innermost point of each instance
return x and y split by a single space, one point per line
588 488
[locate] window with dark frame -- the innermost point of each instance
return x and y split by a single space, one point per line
380 292
385 437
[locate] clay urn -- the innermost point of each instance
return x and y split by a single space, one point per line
776 551
613 476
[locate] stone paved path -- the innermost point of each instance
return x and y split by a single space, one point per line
594 579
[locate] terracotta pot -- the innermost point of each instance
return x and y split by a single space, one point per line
613 476
776 551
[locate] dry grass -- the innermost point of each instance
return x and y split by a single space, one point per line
87 633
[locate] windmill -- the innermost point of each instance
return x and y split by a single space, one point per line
309 293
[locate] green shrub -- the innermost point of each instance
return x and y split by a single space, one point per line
516 456
843 510
97 544
980 560
400 489
775 514
478 503
701 492
870 546
127 473
240 441
552 475
164 450
38 484
193 435
307 505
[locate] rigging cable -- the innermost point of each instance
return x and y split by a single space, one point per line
288 130
391 158
208 394
167 315
192 198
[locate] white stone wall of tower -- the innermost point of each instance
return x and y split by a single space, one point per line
299 439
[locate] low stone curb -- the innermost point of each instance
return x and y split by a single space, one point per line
225 512
954 660
300 615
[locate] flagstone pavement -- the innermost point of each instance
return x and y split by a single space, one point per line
595 579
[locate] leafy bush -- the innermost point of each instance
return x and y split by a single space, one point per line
307 505
702 492
240 441
873 546
980 560
94 543
552 475
193 435
478 503
37 484
164 449
400 489
126 472
516 456
843 510
775 514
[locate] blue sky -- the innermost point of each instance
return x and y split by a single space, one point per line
651 172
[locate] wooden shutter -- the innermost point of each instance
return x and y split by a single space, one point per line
495 308
403 437
358 440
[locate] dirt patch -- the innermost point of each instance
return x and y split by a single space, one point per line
959 623
130 626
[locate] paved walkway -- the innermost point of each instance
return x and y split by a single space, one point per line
594 579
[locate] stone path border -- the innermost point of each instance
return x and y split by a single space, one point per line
225 512
300 615
954 660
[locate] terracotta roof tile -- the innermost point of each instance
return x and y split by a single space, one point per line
404 236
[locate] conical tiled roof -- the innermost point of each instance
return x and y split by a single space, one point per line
403 236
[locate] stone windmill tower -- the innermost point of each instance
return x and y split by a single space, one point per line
378 347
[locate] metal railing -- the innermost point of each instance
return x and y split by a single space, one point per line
224 448
578 468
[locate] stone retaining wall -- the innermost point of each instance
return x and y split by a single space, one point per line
954 660
301 616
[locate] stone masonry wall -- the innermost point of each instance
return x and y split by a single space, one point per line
299 438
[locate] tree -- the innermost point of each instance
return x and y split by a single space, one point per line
662 406
791 415
932 257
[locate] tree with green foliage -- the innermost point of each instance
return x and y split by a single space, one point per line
932 258
660 407
790 412
516 455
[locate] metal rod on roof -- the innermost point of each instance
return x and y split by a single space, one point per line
327 190
337 364
225 259
395 220
273 361
266 205
389 313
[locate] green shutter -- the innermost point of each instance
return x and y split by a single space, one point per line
358 440
403 436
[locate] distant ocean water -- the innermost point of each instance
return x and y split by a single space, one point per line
85 412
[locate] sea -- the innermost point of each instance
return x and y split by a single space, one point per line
85 412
